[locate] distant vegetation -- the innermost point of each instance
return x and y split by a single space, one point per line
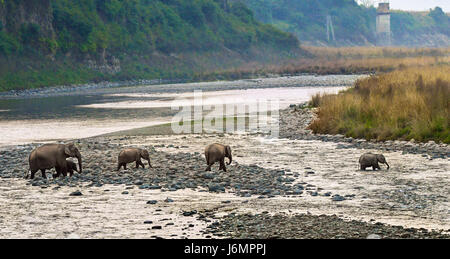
411 103
353 24
140 26
150 39
350 60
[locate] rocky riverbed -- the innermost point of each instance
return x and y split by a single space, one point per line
299 186
313 183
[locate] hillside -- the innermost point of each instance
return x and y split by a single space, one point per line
51 42
353 24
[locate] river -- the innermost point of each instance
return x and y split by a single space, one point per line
75 115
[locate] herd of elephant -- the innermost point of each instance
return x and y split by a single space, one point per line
50 156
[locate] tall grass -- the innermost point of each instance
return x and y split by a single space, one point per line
349 60
375 52
412 103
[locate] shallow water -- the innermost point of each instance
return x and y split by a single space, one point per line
90 114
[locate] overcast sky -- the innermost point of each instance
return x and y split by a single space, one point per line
419 5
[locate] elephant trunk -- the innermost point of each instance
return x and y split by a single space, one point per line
230 158
387 166
79 163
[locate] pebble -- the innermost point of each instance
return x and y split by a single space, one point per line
338 197
76 193
373 236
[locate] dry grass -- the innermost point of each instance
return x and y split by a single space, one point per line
375 52
351 60
412 103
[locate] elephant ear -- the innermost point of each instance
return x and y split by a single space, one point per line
144 153
69 150
228 150
381 159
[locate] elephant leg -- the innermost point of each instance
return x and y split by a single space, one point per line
58 172
208 168
142 164
119 166
363 168
33 172
222 165
43 174
64 171
125 166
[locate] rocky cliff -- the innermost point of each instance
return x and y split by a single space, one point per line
18 15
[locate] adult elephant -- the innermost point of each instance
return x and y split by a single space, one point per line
217 153
51 156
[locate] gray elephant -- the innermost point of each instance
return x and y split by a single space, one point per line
50 156
217 153
372 160
133 155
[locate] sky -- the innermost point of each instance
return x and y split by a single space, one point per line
418 5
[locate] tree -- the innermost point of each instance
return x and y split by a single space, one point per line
367 3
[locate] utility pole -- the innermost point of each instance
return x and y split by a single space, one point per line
330 29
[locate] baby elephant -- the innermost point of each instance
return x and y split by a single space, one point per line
371 160
71 167
217 153
133 155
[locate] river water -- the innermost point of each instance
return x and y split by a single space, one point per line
90 113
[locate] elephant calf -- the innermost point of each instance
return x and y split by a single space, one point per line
371 160
71 167
217 153
133 155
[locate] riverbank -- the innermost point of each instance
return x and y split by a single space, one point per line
408 104
294 123
177 86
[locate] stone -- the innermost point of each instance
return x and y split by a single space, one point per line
338 197
373 236
76 193
73 236
189 213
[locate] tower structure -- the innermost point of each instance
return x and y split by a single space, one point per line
383 24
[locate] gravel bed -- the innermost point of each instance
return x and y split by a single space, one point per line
279 226
171 172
